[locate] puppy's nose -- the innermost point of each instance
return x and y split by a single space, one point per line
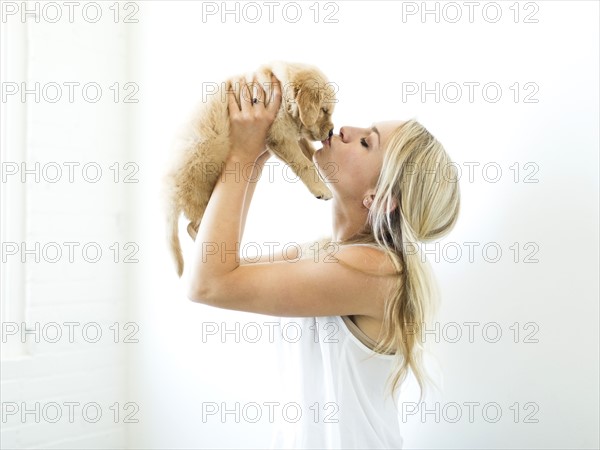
331 132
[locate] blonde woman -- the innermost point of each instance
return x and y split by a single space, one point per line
359 305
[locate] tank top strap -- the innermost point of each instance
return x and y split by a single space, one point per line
360 335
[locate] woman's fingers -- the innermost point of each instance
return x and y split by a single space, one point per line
274 95
231 100
252 95
259 92
250 122
248 94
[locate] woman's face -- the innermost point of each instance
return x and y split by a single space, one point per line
350 162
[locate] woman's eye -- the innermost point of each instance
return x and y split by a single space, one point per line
363 142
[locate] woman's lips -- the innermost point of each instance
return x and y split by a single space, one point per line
326 142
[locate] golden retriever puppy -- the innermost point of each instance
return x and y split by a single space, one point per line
307 104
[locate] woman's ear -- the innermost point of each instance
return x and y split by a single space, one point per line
368 201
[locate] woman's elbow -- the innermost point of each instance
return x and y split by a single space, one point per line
198 293
210 290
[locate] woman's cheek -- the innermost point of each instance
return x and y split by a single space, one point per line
328 168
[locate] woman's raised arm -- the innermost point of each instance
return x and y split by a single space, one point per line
216 249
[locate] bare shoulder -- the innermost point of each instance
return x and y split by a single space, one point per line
365 257
377 269
376 260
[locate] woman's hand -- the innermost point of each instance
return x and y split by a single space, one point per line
250 124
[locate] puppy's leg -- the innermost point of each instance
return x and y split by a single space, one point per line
306 148
295 154
192 229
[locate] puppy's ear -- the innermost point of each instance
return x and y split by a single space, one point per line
309 98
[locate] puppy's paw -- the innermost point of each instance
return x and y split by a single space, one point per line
324 194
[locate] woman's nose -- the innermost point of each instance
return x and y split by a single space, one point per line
343 133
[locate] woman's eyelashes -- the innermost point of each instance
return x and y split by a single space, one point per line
363 142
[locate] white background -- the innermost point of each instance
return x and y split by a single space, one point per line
373 53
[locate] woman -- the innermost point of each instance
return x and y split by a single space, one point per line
362 315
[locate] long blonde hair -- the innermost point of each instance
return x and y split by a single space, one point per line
419 176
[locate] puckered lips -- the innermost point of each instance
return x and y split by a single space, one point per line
327 142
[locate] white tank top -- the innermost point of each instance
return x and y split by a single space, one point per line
333 395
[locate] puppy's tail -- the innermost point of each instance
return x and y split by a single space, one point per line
173 238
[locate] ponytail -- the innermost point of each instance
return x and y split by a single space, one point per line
426 208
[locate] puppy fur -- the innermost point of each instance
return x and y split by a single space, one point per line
307 104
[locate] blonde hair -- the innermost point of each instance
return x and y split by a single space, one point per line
419 176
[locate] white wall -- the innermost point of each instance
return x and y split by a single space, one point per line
369 53
44 377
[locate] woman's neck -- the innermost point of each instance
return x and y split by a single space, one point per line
346 220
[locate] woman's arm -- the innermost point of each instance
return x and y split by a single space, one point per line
216 249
